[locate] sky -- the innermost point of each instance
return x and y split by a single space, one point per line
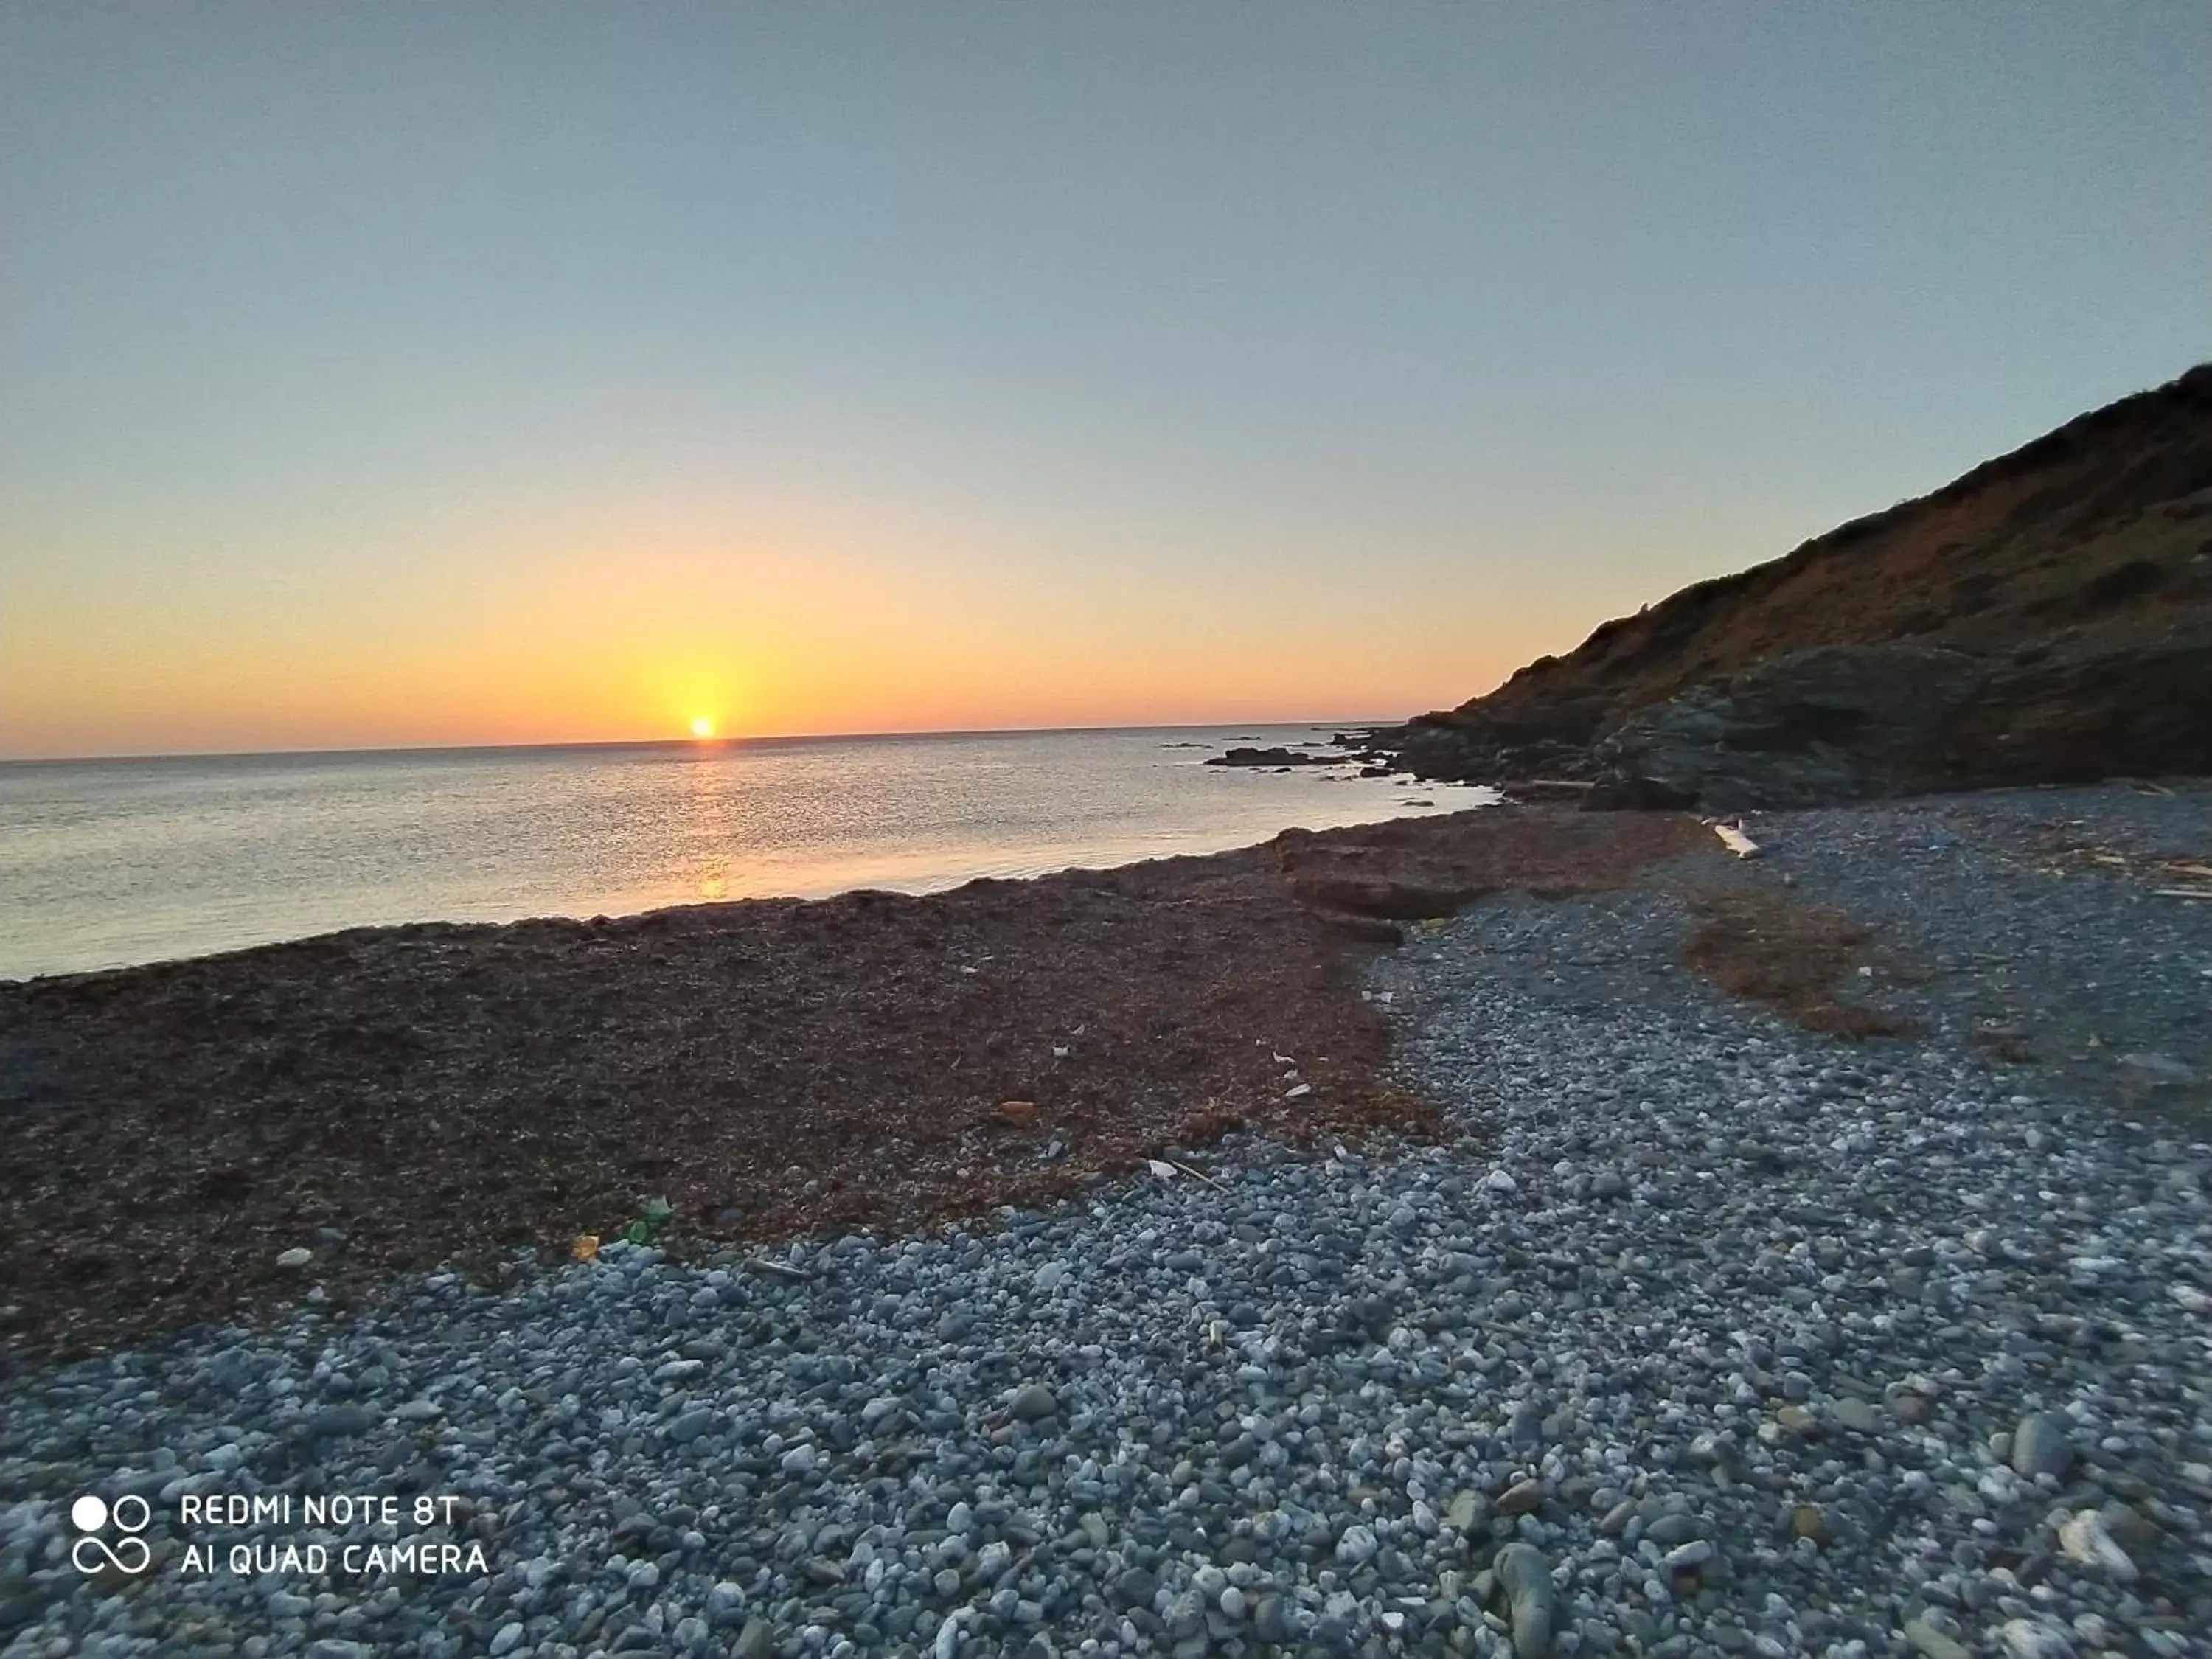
388 375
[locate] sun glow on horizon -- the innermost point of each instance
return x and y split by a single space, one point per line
702 726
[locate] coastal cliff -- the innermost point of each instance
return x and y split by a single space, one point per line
2045 618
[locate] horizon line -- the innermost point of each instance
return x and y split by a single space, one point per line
718 741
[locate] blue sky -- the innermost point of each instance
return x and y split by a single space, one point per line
389 373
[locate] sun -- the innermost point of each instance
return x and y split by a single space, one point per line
702 726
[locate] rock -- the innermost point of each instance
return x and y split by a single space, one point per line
1669 1530
1525 1579
505 1639
1357 1545
725 1602
1269 757
1521 1497
1911 1409
2130 1529
754 1641
1855 1415
2031 1638
336 1422
1018 1111
1032 1402
1810 1520
1538 790
2039 1446
1933 1642
2158 1081
1136 1587
295 1258
1268 1622
1685 1557
1831 723
1467 1511
2085 1541
690 1426
2150 1070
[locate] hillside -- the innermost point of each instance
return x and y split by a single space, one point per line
2047 617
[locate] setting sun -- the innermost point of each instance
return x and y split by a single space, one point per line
702 726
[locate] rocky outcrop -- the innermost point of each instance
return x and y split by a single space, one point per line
1849 722
1271 757
1836 723
2046 618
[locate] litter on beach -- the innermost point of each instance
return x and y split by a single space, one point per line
1735 840
785 1271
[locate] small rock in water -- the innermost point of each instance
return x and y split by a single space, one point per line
295 1258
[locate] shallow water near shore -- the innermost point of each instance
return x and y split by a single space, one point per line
106 863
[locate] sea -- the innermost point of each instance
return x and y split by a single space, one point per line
106 863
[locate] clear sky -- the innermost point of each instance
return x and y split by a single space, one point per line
508 372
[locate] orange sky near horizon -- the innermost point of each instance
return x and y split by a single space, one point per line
782 629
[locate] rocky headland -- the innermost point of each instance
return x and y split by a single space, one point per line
2046 618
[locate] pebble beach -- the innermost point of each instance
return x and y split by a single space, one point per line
1692 1332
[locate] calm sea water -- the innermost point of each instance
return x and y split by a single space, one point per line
108 862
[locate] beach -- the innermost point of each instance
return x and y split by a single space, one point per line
1615 1286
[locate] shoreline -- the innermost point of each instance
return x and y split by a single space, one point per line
136 872
459 1091
408 1099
